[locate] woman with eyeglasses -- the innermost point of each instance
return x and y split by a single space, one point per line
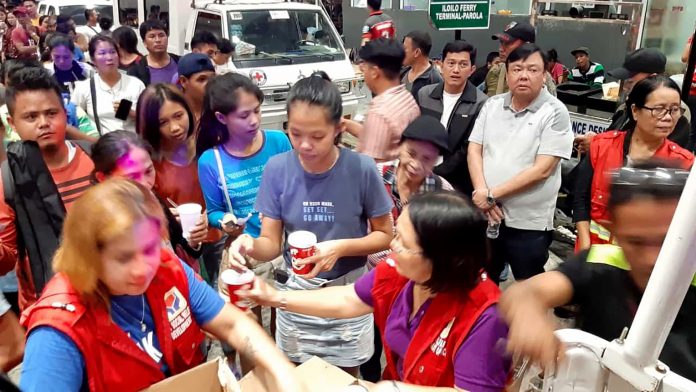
434 307
607 281
654 105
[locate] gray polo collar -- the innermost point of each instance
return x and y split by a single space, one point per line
538 102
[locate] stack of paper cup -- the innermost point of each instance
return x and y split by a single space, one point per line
189 214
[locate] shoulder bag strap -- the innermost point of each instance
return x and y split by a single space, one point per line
221 173
93 92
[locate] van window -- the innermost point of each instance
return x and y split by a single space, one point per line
77 12
128 13
51 10
157 9
207 21
42 9
281 37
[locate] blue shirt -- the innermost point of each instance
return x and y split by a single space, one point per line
78 55
333 205
52 358
242 180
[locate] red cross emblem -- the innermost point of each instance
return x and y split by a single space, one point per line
258 77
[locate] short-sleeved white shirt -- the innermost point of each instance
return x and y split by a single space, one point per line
511 142
128 87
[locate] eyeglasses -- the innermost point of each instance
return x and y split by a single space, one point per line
659 112
398 247
532 71
657 176
462 64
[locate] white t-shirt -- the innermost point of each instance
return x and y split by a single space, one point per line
128 87
448 102
88 31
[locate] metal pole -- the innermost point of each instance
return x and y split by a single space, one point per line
669 282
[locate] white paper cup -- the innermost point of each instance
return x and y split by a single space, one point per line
189 214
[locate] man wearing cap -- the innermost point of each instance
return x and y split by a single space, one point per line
637 66
423 141
195 69
586 71
24 36
455 103
514 158
514 35
393 107
378 24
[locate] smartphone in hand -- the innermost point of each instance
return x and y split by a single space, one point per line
124 108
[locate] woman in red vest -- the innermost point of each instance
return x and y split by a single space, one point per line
655 107
122 313
435 308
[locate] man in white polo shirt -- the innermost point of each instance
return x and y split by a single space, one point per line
514 158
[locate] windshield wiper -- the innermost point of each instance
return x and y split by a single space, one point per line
278 57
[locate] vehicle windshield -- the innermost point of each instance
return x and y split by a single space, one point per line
279 37
78 12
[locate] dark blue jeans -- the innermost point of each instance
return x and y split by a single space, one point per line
525 250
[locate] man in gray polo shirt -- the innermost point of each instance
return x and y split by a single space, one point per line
514 158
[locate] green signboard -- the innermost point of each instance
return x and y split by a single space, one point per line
460 14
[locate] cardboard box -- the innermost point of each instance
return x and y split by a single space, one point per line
215 376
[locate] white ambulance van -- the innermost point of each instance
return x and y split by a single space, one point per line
277 42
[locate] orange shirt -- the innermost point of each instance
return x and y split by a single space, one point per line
73 179
180 183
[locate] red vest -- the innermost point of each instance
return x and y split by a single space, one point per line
113 361
607 155
430 356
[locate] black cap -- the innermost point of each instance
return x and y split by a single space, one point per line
193 63
427 129
582 49
648 60
517 30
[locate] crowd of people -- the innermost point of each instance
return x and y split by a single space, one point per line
453 180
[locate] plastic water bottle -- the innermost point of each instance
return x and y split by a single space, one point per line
493 230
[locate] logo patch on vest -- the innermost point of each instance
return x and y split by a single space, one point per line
438 347
178 312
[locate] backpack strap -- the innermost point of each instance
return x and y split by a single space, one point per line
8 186
223 183
93 92
84 145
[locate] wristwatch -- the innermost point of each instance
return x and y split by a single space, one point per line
489 198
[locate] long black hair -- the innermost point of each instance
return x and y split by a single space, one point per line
126 39
640 92
221 96
147 113
452 234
